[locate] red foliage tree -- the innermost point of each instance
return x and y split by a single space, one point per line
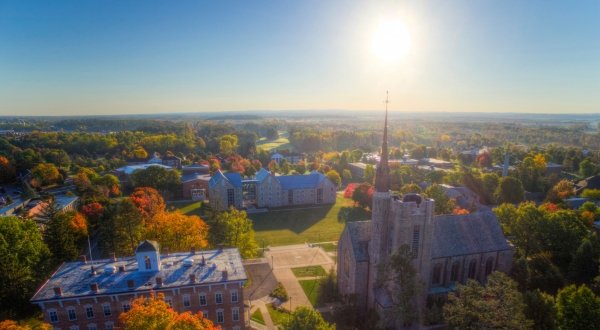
148 201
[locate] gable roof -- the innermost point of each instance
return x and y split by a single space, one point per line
262 174
147 246
311 180
234 178
473 233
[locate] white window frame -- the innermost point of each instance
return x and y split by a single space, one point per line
219 301
69 310
235 294
52 312
187 301
235 311
202 299
221 313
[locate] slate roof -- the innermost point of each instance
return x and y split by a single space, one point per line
195 176
147 246
477 232
262 174
74 278
216 178
233 177
309 181
360 234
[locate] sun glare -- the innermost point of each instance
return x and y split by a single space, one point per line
391 41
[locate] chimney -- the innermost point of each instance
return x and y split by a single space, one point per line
193 250
57 291
94 287
193 278
159 281
203 261
121 268
83 259
130 284
224 272
114 257
93 271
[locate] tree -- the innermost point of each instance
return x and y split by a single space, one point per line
363 195
561 191
162 179
510 190
12 325
577 308
411 188
346 175
233 228
369 174
93 211
490 183
123 228
498 305
7 170
45 174
443 204
228 144
177 231
507 215
148 201
23 261
587 168
334 177
593 194
400 278
64 235
540 308
584 266
304 318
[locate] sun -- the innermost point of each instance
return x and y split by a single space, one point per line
391 41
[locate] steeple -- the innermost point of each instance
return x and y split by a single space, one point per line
382 175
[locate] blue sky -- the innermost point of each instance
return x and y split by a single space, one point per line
115 57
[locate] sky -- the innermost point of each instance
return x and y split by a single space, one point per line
133 57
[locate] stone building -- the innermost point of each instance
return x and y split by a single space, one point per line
91 295
446 249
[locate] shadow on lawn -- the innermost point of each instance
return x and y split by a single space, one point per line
296 220
353 213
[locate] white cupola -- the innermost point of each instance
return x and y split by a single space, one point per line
148 256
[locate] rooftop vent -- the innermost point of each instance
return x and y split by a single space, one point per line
121 268
58 291
110 269
93 271
159 281
193 278
83 258
188 262
203 262
224 273
94 287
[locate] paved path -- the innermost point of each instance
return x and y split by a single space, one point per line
260 305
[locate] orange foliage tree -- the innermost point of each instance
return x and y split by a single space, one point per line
12 325
153 313
177 231
148 201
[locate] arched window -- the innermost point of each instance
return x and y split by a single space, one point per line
489 266
454 271
147 262
472 269
437 274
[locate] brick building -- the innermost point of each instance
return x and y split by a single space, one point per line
91 295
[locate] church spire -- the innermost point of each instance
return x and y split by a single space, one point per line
382 180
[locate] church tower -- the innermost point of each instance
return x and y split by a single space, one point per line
380 239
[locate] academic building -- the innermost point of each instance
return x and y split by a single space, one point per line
88 295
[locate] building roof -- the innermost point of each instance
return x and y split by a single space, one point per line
147 246
309 181
234 178
262 174
195 176
129 169
592 182
75 278
360 234
473 233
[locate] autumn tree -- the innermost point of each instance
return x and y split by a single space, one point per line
497 305
233 228
177 231
304 318
334 177
45 174
64 235
13 325
363 195
148 201
24 262
561 191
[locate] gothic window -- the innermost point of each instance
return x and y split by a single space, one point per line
437 274
147 262
489 266
472 269
454 271
230 197
415 240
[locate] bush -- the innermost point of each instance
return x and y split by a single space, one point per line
279 293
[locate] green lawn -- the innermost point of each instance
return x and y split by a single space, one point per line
328 247
311 288
189 208
257 317
277 316
309 271
309 224
267 145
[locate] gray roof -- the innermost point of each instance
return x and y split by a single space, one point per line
360 234
477 232
290 182
147 246
195 176
74 278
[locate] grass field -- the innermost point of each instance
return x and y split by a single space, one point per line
328 247
309 271
310 224
281 143
311 288
277 316
257 317
189 208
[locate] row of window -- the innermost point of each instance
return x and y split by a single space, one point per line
436 277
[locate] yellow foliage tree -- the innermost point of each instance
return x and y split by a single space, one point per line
177 231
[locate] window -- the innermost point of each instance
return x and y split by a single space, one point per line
106 309
472 269
320 196
203 299
72 314
186 300
437 274
53 315
234 296
109 326
454 271
92 327
147 262
218 298
74 327
126 307
169 301
89 312
290 197
230 197
220 316
235 314
415 240
489 266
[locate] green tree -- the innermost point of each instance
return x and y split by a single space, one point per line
369 173
578 308
510 190
122 230
23 262
507 215
490 184
45 174
304 318
443 204
584 266
498 305
593 194
346 175
540 308
64 236
334 177
233 228
164 180
228 144
411 188
587 168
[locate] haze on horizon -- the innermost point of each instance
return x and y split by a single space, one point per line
117 57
